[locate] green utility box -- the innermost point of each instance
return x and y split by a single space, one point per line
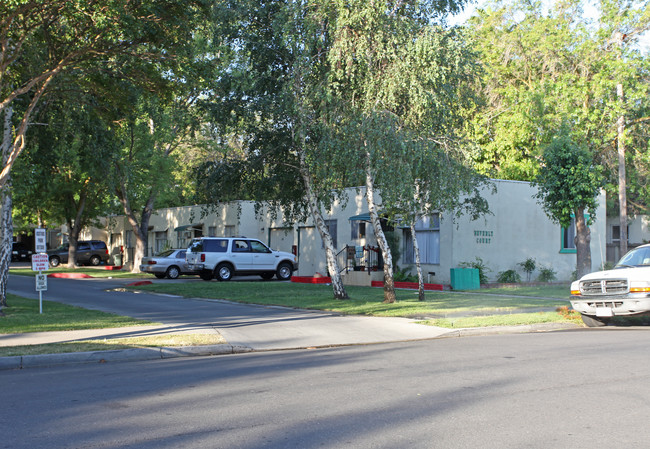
465 279
117 260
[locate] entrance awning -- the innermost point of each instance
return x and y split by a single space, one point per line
184 227
361 217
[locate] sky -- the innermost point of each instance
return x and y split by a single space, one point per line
589 8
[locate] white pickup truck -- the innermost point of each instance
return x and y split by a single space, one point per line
624 290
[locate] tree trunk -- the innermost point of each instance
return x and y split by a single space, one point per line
141 229
389 281
6 236
583 244
6 221
418 266
622 183
74 229
332 263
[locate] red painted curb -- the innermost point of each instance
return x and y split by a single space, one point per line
69 275
311 280
135 284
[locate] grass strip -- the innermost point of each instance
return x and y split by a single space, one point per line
515 319
23 316
364 300
173 340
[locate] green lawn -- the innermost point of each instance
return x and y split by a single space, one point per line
368 301
23 315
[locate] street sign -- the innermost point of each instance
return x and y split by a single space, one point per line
40 240
41 282
40 262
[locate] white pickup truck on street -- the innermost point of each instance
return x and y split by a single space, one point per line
624 290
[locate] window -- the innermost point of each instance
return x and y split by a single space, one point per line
258 247
161 241
229 231
358 230
212 231
616 233
128 239
427 230
332 227
568 238
240 246
212 246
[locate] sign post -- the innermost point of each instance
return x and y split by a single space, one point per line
40 263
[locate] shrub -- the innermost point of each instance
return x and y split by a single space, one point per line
546 274
404 275
528 266
508 277
480 266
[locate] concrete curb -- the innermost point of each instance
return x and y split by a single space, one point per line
119 355
522 329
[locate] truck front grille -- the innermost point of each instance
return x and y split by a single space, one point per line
604 287
610 304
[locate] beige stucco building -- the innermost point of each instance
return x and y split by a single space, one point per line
516 229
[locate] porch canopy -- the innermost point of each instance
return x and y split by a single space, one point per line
361 217
189 226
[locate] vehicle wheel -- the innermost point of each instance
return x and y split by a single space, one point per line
267 276
159 275
592 321
224 272
284 271
206 275
173 272
55 261
94 260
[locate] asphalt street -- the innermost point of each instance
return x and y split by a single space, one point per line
586 388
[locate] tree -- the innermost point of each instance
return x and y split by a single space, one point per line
276 81
41 39
569 184
62 173
546 67
398 85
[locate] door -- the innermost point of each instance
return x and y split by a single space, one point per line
310 252
242 256
263 258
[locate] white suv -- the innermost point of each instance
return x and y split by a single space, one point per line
224 257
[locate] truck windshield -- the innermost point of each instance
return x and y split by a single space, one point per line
636 257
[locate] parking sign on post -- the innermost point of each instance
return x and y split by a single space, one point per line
40 244
40 263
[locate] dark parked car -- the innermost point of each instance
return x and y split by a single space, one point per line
170 263
92 252
20 252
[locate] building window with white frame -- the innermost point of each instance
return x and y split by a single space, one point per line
427 231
